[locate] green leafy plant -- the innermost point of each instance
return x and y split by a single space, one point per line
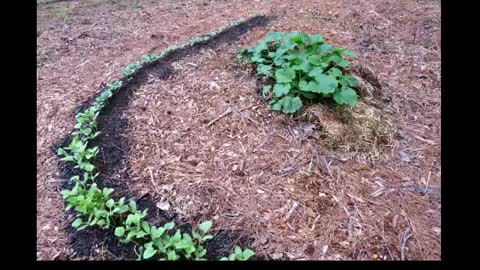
302 67
239 255
78 152
131 69
179 245
162 244
86 123
93 203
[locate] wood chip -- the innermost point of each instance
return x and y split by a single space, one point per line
277 256
165 206
227 112
356 198
425 140
289 214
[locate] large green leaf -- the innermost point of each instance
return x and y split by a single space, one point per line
335 72
349 53
262 46
107 191
182 244
325 48
311 86
315 60
322 84
316 38
172 256
327 84
133 205
156 232
305 66
281 89
88 167
291 105
257 58
169 225
146 227
288 45
281 50
247 253
299 38
277 106
316 71
352 81
130 219
140 234
338 60
278 60
284 75
205 226
77 222
273 36
346 96
308 95
264 69
109 203
149 252
119 231
238 253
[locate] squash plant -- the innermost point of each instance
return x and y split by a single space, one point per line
303 67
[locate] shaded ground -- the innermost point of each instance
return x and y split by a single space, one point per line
277 179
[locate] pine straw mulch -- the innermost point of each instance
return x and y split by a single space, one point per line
360 184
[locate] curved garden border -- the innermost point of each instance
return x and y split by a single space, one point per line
96 207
